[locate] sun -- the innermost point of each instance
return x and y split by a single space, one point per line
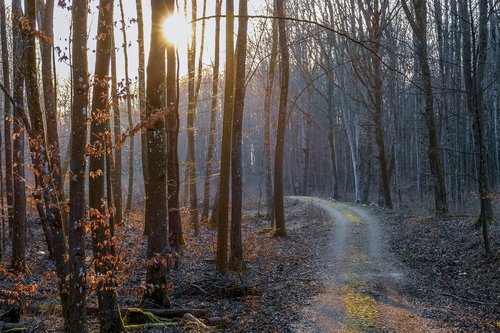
177 30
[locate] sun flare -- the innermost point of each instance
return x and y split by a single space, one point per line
177 30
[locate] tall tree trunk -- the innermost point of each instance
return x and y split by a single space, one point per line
213 115
191 130
282 115
142 98
236 261
227 120
267 115
172 126
130 191
473 79
156 198
419 26
77 215
7 120
19 222
117 128
101 236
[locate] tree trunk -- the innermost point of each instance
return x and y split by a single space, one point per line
236 261
7 120
172 124
130 191
77 215
117 167
419 26
473 79
142 98
227 120
101 237
191 130
267 116
279 211
19 222
156 198
213 115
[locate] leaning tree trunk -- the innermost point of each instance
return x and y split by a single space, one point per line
77 214
156 197
236 261
282 115
102 242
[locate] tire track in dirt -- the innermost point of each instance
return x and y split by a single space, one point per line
362 279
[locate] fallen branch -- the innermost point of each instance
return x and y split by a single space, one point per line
11 327
469 299
165 313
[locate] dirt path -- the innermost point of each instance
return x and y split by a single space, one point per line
362 279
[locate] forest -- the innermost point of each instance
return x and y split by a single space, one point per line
250 166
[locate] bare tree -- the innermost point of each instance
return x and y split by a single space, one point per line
156 197
282 116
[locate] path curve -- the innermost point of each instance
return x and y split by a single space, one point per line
362 278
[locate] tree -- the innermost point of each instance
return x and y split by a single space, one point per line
142 97
172 126
98 213
267 114
474 74
156 197
19 222
227 120
117 156
236 261
77 215
128 98
418 24
7 119
213 114
282 116
191 130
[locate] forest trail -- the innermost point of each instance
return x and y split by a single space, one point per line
362 278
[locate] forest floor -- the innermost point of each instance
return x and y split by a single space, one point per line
342 268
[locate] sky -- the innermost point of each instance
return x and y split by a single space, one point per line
62 24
